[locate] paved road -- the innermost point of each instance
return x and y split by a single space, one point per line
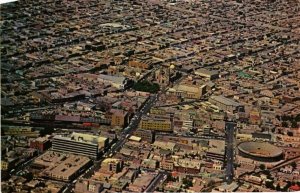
215 137
128 131
157 180
230 131
182 103
287 162
21 167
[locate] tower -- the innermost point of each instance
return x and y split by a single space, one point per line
162 76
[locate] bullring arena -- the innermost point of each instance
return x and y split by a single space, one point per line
260 151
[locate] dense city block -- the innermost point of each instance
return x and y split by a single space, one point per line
150 96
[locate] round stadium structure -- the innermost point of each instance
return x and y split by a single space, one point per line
260 151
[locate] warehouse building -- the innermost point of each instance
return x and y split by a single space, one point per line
226 104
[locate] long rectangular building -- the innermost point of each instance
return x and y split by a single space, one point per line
226 104
80 144
188 91
156 124
60 166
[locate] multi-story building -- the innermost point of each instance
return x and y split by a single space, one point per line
140 183
149 164
209 74
20 131
253 179
146 64
188 91
88 186
40 143
157 111
188 124
156 124
81 144
119 186
119 117
217 165
7 164
162 76
167 165
116 81
114 165
146 135
216 150
70 169
255 117
191 166
226 104
61 166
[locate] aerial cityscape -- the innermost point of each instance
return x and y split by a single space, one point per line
150 96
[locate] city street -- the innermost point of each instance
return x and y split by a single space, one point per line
128 131
146 96
230 131
157 180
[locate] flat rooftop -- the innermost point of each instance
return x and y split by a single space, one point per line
216 146
60 165
225 100
68 167
83 138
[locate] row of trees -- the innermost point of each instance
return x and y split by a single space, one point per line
289 120
146 86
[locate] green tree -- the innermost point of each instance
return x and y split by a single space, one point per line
188 183
262 166
266 172
289 133
284 124
278 188
278 117
269 184
286 187
297 118
294 124
146 86
294 165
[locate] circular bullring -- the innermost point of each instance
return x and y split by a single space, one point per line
260 151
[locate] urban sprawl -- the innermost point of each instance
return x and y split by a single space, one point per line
150 96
